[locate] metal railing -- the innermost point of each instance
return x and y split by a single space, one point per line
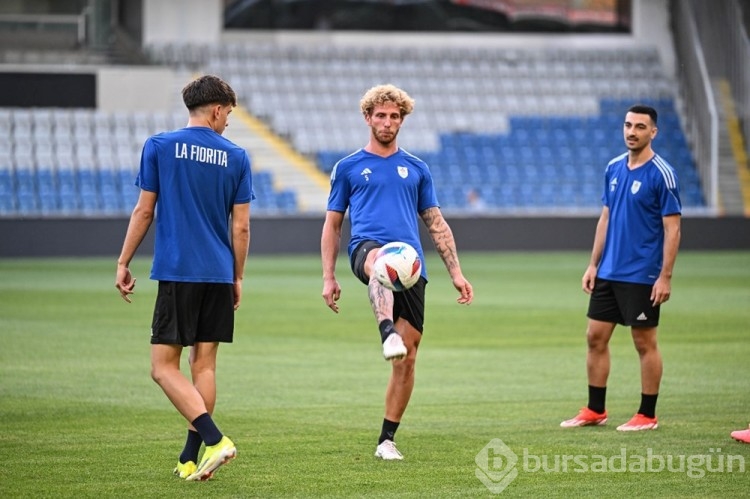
725 43
698 99
76 21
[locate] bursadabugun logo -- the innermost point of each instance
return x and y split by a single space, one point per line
496 466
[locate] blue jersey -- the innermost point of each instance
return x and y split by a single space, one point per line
384 197
637 200
198 176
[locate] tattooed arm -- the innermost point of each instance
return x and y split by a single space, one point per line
442 237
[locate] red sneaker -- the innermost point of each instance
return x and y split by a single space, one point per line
742 435
585 417
639 422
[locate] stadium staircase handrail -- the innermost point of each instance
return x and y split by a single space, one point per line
725 43
699 101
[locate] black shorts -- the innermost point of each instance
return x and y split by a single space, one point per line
407 304
623 303
190 312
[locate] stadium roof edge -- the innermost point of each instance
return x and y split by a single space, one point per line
436 40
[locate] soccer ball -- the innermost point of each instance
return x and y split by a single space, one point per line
397 266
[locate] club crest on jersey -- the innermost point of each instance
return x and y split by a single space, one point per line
403 172
636 185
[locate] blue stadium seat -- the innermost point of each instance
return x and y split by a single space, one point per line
7 192
27 203
129 196
67 191
6 182
286 201
89 200
48 191
520 149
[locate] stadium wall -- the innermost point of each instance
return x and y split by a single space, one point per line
49 237
107 88
135 88
199 21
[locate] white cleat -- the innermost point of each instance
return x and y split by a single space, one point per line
388 452
393 347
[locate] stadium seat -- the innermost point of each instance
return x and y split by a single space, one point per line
497 120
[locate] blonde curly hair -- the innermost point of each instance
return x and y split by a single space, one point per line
380 94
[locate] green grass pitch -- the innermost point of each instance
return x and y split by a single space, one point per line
301 389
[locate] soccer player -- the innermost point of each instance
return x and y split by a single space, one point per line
195 180
630 272
385 190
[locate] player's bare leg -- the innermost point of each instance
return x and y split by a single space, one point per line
645 343
398 392
598 361
203 370
401 382
644 340
165 371
381 301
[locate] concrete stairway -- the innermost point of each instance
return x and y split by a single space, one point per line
730 189
270 153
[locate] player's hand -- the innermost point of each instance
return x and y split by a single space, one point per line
661 291
237 293
588 280
125 282
464 288
331 294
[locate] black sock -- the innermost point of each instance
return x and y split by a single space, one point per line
386 328
207 429
388 432
192 447
597 396
648 405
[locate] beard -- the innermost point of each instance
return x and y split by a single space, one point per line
385 138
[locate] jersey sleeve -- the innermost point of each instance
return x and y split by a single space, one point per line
605 187
148 173
338 199
669 195
670 200
245 192
427 195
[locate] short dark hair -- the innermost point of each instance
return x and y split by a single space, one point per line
208 89
641 109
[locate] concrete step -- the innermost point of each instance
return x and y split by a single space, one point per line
289 169
730 195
